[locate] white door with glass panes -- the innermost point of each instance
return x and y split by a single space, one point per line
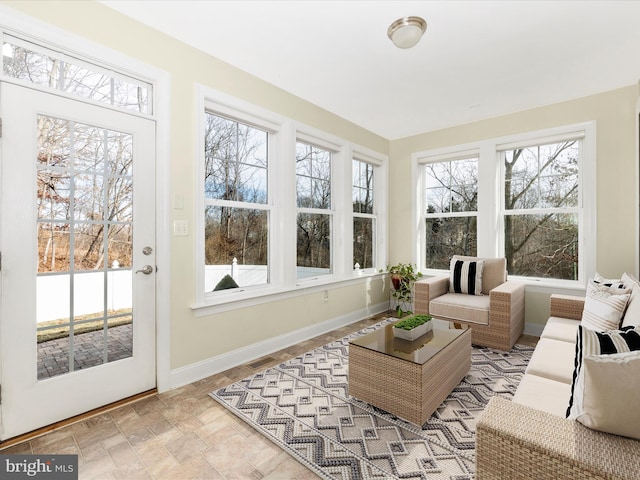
77 235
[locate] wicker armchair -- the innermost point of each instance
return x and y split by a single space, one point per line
496 319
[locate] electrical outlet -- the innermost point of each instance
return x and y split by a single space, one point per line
325 296
180 228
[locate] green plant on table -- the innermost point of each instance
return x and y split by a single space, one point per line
403 276
413 321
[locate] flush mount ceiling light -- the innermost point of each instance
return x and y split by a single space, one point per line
407 31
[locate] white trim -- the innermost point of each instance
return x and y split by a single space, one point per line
199 370
160 80
637 176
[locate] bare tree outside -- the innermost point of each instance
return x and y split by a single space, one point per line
541 219
235 186
313 186
451 210
363 214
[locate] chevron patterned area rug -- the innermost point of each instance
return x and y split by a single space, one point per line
303 405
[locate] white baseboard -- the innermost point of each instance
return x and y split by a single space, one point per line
205 368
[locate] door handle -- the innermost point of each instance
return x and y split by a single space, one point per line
147 270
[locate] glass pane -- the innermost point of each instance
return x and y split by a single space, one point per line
119 153
120 336
54 189
362 187
53 351
544 246
53 142
89 148
120 251
25 61
88 246
88 197
235 161
236 244
363 230
313 173
452 186
88 344
88 295
54 247
542 176
448 236
313 245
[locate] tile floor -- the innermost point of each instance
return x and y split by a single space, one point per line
182 434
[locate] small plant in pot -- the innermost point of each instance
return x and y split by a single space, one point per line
403 275
413 327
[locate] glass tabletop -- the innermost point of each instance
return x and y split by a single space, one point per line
418 351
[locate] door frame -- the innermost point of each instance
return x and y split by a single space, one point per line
46 34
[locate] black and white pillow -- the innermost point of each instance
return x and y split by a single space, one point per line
592 343
466 276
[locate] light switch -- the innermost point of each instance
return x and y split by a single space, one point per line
180 228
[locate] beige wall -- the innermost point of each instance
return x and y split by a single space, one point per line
195 339
614 113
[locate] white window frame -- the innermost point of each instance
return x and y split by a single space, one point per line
445 157
282 204
379 185
491 199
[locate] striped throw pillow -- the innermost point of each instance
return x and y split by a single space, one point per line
604 307
466 276
591 343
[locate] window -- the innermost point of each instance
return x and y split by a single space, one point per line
541 211
236 208
314 219
521 197
450 210
279 202
364 218
34 64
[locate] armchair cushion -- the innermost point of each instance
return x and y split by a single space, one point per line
494 271
466 308
466 276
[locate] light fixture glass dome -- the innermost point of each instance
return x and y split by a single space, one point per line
407 31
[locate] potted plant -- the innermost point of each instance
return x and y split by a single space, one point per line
403 276
413 327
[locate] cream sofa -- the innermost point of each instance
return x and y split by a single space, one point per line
530 438
496 318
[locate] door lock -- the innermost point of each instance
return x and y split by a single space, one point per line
147 270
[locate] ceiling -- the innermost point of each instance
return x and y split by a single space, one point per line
477 59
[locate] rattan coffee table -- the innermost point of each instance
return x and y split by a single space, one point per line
409 379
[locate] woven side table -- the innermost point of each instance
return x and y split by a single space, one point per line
409 379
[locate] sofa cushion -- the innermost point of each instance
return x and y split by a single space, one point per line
459 306
553 359
604 306
611 386
564 329
543 394
494 271
632 313
590 343
466 276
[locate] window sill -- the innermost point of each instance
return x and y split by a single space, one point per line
248 297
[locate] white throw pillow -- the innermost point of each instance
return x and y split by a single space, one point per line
611 386
632 314
466 276
604 306
609 282
591 343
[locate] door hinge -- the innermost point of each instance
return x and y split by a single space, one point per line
0 128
